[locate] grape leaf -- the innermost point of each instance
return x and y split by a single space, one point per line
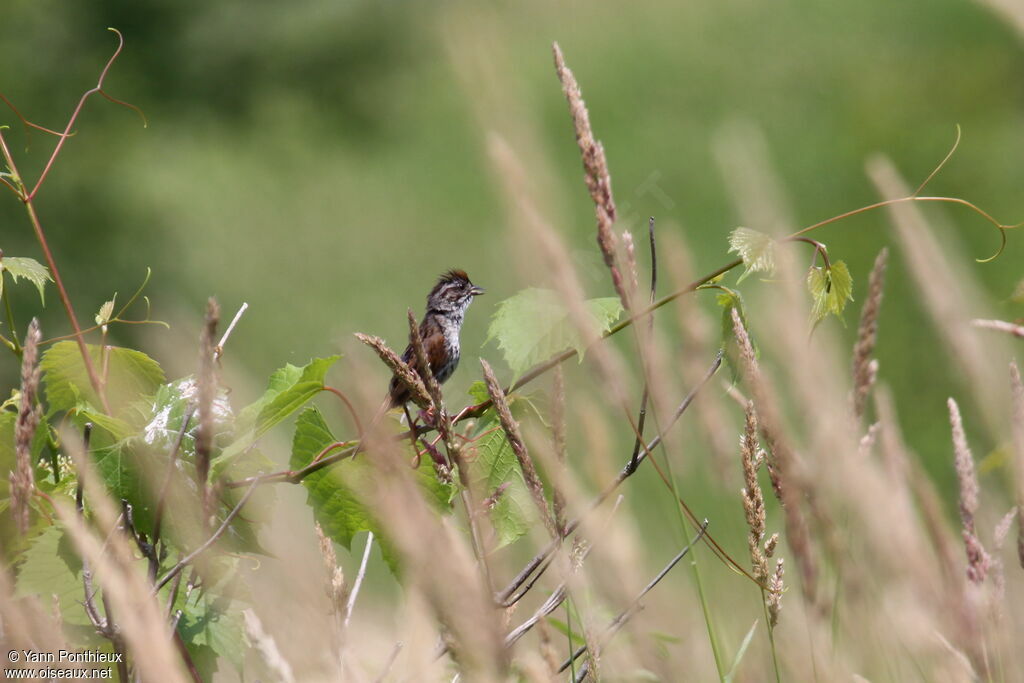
534 325
755 248
30 269
129 375
830 288
52 567
336 493
289 389
514 513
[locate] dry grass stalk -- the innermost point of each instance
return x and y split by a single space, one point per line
406 375
337 590
977 559
775 590
1017 388
267 647
559 442
23 481
1000 326
865 369
595 168
1002 530
753 500
629 250
950 307
785 482
515 439
423 363
207 393
134 616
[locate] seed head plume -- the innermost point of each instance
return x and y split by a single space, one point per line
977 559
23 478
1017 388
595 169
865 368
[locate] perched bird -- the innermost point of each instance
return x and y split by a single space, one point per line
439 329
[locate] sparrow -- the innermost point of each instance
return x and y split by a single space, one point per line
439 329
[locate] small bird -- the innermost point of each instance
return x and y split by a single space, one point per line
439 329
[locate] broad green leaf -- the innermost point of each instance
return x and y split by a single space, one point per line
288 390
331 491
335 493
514 513
130 375
30 269
830 289
122 469
52 567
210 622
755 248
310 382
535 324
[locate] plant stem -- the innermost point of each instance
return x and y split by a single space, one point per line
33 217
13 342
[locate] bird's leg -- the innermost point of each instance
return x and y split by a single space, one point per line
412 436
435 455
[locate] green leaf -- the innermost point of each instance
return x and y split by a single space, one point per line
130 375
30 269
534 325
830 288
335 493
755 248
331 491
289 389
210 623
106 312
308 384
514 513
478 392
52 567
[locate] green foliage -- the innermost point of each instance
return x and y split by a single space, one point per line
336 493
289 389
27 268
331 493
731 676
535 324
52 567
729 299
478 392
830 288
514 513
755 248
211 626
129 375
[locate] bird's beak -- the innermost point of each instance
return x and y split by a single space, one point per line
476 291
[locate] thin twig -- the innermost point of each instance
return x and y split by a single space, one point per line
359 580
210 541
504 596
642 417
1001 326
219 349
624 616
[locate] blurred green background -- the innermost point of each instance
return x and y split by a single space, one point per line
324 161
